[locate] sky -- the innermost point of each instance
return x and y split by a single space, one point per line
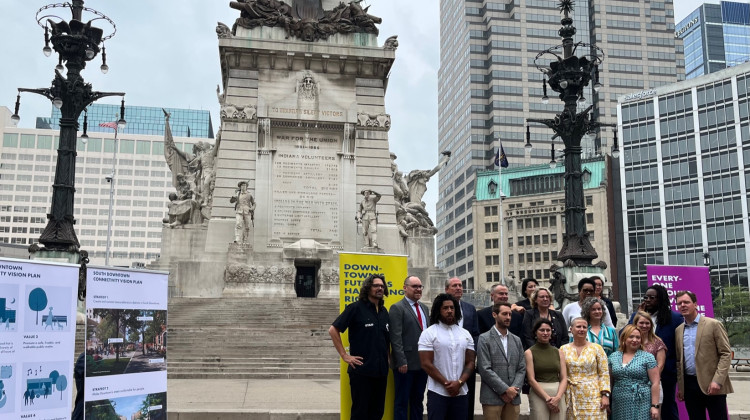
165 54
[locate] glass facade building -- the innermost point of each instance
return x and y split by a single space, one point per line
685 180
142 183
141 120
488 85
715 36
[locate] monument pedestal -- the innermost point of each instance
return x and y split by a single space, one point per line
421 252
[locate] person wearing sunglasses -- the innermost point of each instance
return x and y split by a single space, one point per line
586 288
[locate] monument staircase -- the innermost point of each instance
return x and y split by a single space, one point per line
251 338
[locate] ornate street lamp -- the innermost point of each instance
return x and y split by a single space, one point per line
76 42
569 74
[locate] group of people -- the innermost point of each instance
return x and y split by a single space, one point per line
574 363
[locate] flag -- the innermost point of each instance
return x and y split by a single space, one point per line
500 158
112 125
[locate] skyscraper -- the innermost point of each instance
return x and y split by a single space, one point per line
715 36
488 86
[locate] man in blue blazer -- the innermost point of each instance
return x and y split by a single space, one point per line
408 317
470 322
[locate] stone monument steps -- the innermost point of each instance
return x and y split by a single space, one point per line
241 338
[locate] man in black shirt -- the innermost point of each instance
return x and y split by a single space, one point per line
369 344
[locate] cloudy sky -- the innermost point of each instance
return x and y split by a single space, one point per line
165 54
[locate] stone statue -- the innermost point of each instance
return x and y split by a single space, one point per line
244 209
201 166
400 190
417 179
367 215
182 211
391 43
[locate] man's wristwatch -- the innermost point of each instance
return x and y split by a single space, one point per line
460 382
606 394
656 406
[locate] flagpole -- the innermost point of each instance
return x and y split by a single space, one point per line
500 219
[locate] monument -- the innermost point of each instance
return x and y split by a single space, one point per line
304 135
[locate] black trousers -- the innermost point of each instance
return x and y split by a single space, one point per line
472 384
368 396
409 396
669 409
697 402
440 407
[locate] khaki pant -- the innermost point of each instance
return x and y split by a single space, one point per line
538 408
501 412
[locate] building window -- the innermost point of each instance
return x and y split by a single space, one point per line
553 238
589 218
537 240
521 258
545 239
589 200
510 242
520 241
537 222
527 223
544 222
553 221
519 224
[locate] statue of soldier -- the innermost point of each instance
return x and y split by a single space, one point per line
244 209
368 216
417 179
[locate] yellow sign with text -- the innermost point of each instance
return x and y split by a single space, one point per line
353 270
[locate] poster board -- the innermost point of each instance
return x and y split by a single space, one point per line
37 339
354 269
126 344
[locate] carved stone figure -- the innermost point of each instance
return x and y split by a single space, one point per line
182 211
390 44
223 31
241 112
201 166
307 88
417 179
368 216
244 209
305 19
374 121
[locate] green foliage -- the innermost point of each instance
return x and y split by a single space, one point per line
101 411
61 384
37 301
152 400
115 321
732 308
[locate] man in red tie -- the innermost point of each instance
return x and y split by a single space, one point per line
409 317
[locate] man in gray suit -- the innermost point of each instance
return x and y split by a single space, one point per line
502 367
408 317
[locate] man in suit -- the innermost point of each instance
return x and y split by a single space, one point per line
703 359
502 366
408 317
470 323
498 293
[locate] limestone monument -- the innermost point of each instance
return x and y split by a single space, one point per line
303 121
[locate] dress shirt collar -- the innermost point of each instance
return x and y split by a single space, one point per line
695 321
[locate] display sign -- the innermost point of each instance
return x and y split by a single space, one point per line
354 269
37 339
126 344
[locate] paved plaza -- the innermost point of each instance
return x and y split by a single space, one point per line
282 399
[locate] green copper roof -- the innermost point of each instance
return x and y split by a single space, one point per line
485 178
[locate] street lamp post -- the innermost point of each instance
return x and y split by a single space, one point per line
76 43
568 74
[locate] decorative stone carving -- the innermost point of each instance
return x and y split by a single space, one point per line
374 121
328 276
237 273
223 31
305 19
238 112
307 88
390 44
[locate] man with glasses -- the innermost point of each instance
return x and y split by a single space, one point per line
408 317
369 342
586 288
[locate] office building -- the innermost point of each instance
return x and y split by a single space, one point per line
533 211
685 179
715 36
141 120
488 86
142 184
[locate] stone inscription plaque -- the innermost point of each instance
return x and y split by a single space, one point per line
306 186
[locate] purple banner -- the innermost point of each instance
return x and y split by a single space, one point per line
681 277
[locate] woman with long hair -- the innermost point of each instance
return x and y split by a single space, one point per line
541 308
546 373
651 343
656 304
588 392
592 310
635 379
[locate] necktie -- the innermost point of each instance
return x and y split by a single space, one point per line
419 316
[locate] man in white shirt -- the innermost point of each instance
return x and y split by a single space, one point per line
446 352
586 288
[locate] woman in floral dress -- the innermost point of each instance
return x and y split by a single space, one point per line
635 379
587 395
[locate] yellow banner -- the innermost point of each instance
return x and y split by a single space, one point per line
354 269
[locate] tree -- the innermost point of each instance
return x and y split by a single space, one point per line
62 384
37 301
54 377
155 327
115 321
732 308
154 400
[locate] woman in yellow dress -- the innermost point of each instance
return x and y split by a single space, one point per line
588 392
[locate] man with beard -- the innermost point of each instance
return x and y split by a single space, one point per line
369 342
446 352
469 322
